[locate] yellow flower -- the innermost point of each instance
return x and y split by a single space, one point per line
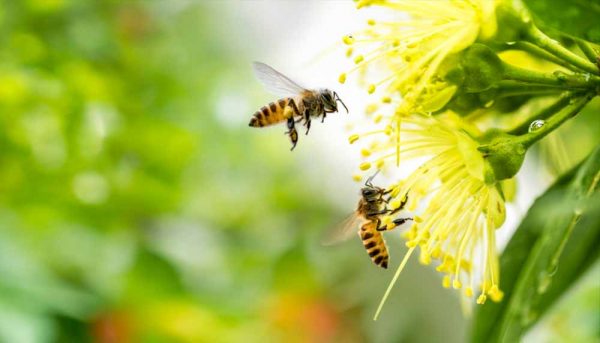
458 212
412 50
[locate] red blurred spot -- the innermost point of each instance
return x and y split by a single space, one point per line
305 319
112 327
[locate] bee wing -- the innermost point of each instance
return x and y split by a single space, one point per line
275 82
344 230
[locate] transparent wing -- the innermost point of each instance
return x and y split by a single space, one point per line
275 82
344 230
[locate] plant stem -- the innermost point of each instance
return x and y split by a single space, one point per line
508 88
556 120
537 37
561 103
541 53
588 50
559 79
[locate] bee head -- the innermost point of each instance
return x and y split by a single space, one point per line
368 192
330 99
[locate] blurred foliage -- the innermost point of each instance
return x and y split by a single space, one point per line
574 17
554 245
132 210
108 146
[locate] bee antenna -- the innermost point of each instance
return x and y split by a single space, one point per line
370 179
337 98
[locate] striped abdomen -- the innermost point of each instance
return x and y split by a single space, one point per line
374 243
274 113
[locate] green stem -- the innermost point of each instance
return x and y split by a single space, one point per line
509 88
537 37
555 121
559 79
588 50
541 53
561 103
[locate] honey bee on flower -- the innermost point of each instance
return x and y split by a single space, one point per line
458 211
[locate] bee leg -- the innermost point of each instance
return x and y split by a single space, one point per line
307 126
378 212
324 115
396 222
292 133
403 202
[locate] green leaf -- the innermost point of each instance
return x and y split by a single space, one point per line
554 245
575 17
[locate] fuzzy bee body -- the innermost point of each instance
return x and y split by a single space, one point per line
299 105
367 216
374 244
371 208
276 112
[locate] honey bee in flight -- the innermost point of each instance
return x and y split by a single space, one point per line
298 103
371 206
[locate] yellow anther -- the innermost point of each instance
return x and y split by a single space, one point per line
353 138
371 89
365 166
469 292
349 52
396 189
378 118
371 22
386 99
357 177
359 59
396 43
349 40
495 293
388 130
446 281
424 258
418 219
456 284
411 244
365 152
342 78
481 299
371 108
379 163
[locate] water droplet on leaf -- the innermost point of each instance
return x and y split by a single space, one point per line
536 125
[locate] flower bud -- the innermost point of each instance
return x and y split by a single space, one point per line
503 155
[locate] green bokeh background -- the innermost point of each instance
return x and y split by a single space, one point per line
130 212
